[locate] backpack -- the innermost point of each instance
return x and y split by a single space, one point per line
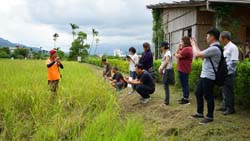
222 71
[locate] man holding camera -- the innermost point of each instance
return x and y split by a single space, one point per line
53 65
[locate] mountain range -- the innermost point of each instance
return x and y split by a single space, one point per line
6 43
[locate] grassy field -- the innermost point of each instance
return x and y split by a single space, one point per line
173 122
88 109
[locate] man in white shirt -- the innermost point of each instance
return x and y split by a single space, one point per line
133 59
231 53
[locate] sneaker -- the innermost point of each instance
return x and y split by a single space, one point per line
228 112
180 100
184 101
141 98
197 116
131 92
206 121
145 101
221 109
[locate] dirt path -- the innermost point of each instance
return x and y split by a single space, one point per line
174 119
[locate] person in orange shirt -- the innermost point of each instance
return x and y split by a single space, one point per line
53 64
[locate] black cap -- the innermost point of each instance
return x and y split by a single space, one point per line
164 44
214 32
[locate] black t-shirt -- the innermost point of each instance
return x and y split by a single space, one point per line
147 79
118 77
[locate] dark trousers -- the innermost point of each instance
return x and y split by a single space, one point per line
205 89
144 90
228 93
184 83
167 92
132 74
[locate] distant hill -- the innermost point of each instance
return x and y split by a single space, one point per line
6 43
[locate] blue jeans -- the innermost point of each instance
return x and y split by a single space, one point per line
184 83
132 74
119 85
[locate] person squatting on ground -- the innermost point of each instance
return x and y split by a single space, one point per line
184 56
117 81
53 64
144 84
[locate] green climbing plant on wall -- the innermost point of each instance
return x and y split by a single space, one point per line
226 20
158 32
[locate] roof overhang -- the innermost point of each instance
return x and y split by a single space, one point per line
183 4
229 1
177 5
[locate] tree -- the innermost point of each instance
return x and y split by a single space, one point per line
78 47
4 52
55 36
74 27
21 53
94 34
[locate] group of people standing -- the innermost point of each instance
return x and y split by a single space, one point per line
142 79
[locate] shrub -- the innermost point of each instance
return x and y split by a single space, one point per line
242 83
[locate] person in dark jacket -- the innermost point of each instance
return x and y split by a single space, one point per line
147 58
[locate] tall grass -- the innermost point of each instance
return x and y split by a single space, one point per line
85 108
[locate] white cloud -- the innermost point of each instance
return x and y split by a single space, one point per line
34 22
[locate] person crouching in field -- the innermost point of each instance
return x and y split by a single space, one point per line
53 64
107 68
117 81
144 84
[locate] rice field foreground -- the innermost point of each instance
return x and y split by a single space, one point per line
85 108
88 109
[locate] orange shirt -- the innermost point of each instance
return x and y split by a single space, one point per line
53 71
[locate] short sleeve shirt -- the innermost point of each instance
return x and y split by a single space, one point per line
118 77
147 79
231 53
185 63
135 58
214 53
170 64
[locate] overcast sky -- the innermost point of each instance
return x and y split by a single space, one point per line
119 22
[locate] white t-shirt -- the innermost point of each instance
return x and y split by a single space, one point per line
231 52
167 54
135 58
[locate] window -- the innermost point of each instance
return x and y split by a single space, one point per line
187 32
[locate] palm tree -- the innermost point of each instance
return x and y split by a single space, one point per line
96 41
81 37
74 27
55 36
95 34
